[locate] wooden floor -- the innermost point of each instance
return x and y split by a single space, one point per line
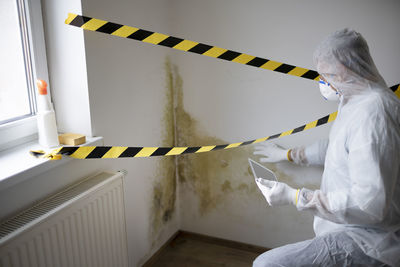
193 250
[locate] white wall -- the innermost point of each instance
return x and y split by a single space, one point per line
234 102
125 89
67 67
123 82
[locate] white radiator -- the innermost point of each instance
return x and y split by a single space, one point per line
83 225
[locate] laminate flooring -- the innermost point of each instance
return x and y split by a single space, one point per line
193 250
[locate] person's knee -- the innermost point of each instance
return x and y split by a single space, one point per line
262 260
276 257
258 262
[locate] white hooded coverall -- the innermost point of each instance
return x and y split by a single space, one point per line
357 209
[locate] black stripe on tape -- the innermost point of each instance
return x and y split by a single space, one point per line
323 120
170 41
219 147
191 150
310 74
98 152
257 62
140 35
247 143
130 152
67 150
394 87
200 48
109 27
229 55
298 129
161 151
274 136
79 21
284 68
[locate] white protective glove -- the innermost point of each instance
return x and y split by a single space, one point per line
276 193
272 152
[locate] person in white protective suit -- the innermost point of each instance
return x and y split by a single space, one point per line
357 209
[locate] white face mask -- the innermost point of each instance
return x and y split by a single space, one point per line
327 91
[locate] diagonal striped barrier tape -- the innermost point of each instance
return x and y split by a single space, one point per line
98 25
91 152
96 152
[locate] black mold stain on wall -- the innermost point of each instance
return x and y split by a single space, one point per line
165 187
212 177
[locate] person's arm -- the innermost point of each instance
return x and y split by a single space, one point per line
313 154
306 155
365 195
363 202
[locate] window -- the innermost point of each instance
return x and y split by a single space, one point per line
15 71
23 59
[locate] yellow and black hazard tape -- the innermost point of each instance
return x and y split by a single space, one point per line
98 25
91 152
96 152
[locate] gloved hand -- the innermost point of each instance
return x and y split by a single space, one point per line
276 193
272 152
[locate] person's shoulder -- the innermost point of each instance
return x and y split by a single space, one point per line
381 108
373 108
380 101
375 115
365 105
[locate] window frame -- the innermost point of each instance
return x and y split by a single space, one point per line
25 129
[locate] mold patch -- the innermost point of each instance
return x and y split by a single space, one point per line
165 187
214 176
212 179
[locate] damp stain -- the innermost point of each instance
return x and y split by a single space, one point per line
164 187
226 187
211 181
214 176
244 187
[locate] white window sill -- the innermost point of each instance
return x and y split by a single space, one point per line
17 165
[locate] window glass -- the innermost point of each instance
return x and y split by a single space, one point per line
15 84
